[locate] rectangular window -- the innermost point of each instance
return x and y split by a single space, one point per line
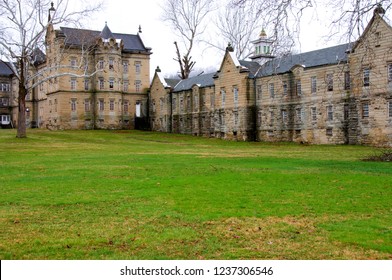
5 87
111 84
73 104
366 77
365 110
125 66
111 64
73 84
390 108
329 132
196 102
126 106
138 85
346 111
101 105
101 64
111 104
330 82
126 85
299 113
299 87
347 80
138 66
285 87
260 117
101 83
390 72
272 90
86 84
259 91
174 105
73 62
235 91
87 106
188 103
181 104
314 85
330 113
223 93
284 116
313 111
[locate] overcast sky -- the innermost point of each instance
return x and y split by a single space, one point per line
126 16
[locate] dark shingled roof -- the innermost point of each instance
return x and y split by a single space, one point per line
172 82
252 66
79 37
5 69
328 56
204 80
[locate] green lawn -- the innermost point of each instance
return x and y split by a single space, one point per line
143 195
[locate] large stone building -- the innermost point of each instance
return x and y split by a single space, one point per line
88 79
6 80
337 95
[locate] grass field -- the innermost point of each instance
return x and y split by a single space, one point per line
143 195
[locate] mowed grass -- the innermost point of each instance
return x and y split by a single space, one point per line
144 195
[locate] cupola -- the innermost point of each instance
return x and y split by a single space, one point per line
262 48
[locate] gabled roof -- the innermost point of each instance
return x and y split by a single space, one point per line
204 80
5 69
327 56
252 66
80 37
172 82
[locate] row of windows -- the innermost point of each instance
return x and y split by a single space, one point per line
329 83
122 105
300 114
110 64
125 84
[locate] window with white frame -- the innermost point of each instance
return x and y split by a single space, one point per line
111 64
299 87
259 92
235 92
126 85
101 64
86 84
87 105
73 84
390 108
73 104
125 66
366 77
223 95
329 113
101 83
313 112
138 85
299 113
272 90
314 84
365 110
138 67
389 72
284 116
101 105
5 87
73 62
126 106
111 104
330 82
285 88
111 83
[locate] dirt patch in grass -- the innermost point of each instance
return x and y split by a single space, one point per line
283 238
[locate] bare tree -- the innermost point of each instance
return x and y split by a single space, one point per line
237 25
187 17
23 27
283 17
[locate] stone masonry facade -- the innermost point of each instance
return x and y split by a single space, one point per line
337 95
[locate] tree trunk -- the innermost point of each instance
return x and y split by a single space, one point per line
21 130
